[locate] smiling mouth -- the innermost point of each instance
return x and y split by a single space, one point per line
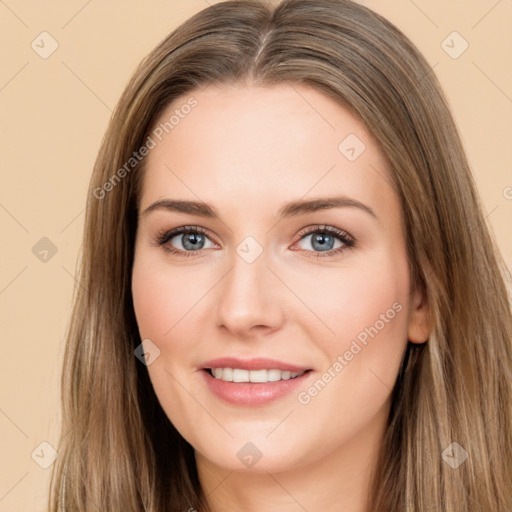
253 376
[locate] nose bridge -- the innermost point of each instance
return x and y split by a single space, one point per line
247 296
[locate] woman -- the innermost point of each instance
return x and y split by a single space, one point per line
289 297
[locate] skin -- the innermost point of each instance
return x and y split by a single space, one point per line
247 151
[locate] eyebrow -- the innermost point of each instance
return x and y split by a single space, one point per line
292 209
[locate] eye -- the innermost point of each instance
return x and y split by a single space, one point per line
326 241
189 240
185 240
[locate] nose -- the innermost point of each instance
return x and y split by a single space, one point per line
249 300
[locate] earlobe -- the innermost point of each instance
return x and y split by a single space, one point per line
417 342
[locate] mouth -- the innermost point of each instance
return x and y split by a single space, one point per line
253 382
252 388
255 376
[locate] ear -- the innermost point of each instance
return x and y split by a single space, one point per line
419 318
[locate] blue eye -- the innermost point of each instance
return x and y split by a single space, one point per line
323 240
193 238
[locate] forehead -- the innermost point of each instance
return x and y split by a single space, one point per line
262 145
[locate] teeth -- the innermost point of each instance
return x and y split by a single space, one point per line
238 375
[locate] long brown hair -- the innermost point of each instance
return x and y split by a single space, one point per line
118 450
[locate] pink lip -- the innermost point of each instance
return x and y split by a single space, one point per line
252 394
259 363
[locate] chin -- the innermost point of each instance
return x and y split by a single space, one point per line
252 456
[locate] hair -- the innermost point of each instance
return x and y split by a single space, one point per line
118 451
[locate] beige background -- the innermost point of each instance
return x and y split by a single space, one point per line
53 115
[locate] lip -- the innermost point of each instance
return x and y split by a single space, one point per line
252 394
258 363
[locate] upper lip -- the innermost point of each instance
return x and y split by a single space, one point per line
258 363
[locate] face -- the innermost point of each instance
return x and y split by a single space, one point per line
299 258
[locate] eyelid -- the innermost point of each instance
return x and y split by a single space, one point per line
314 228
170 233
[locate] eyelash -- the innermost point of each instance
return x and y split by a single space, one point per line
162 237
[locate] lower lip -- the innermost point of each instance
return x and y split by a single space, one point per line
253 393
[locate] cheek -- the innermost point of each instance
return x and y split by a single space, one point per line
342 303
378 337
162 296
374 305
364 313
